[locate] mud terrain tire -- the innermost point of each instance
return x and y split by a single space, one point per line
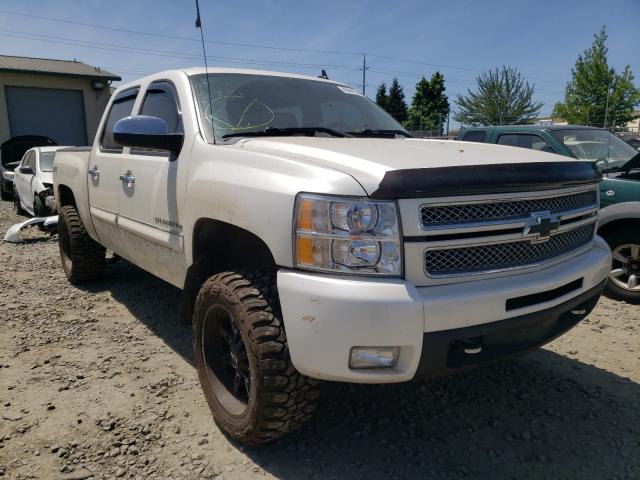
83 259
277 398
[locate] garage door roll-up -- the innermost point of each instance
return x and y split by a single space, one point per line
54 113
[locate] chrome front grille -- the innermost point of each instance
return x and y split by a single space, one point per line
504 210
501 256
486 234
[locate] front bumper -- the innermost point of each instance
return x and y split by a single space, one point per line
326 315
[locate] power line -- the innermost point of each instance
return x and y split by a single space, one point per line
177 37
118 48
253 45
162 53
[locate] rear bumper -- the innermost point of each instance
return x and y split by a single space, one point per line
326 315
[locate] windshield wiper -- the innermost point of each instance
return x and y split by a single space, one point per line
284 132
379 133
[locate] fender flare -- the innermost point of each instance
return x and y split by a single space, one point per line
618 211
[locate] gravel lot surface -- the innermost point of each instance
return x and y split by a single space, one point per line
98 382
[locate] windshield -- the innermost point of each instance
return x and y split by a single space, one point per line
608 151
46 161
244 103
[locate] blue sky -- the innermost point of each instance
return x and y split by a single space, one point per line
461 39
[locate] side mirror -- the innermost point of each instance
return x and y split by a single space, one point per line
26 170
144 131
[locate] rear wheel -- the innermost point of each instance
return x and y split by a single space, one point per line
624 279
253 390
82 258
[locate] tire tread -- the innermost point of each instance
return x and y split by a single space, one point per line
288 398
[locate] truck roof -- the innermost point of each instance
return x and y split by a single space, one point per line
245 71
501 128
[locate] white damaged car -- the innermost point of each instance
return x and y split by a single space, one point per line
33 182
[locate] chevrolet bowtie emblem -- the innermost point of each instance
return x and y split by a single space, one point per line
540 227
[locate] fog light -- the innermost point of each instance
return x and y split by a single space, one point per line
373 357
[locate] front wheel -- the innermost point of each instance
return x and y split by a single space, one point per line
39 208
17 206
624 279
253 390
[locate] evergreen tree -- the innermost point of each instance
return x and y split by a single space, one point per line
503 97
381 96
429 106
585 98
396 105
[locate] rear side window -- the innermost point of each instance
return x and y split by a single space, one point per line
122 107
530 141
475 136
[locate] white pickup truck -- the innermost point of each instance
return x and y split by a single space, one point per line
314 240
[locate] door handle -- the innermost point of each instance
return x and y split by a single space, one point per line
128 178
94 172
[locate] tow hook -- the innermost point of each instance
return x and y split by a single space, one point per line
471 346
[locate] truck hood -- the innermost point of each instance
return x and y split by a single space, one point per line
369 160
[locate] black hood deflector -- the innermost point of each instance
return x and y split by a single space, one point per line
485 179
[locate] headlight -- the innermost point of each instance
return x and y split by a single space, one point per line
350 235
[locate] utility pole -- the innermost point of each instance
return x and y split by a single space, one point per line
364 73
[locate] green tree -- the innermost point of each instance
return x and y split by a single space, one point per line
396 106
381 96
585 98
503 97
429 106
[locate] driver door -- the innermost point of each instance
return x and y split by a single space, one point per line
150 211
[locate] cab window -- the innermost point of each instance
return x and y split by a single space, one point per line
160 101
29 160
530 141
121 107
475 136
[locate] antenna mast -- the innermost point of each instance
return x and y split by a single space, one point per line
206 69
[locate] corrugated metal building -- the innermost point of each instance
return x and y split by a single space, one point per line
60 99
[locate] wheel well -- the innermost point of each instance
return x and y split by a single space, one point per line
65 196
627 223
220 246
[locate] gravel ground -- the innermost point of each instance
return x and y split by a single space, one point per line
99 382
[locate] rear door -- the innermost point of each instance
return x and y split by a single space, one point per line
150 216
105 167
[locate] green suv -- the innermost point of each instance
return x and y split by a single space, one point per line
619 163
